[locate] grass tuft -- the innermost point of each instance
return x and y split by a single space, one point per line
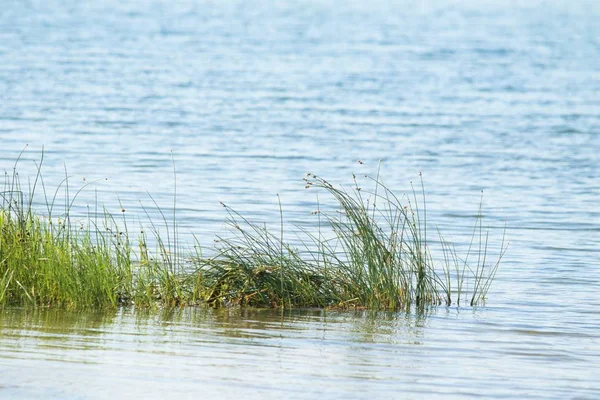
370 250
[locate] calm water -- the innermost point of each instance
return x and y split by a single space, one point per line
245 98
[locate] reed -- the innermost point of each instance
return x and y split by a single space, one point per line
45 262
376 256
369 250
53 261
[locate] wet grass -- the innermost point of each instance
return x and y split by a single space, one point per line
369 249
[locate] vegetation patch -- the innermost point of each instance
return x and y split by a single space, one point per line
370 250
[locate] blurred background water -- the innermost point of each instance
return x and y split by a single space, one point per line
245 98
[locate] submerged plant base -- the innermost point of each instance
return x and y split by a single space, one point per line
370 252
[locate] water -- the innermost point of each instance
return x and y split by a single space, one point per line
245 98
256 354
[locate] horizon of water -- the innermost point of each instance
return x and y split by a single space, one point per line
204 102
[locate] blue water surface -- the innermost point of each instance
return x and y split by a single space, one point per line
235 101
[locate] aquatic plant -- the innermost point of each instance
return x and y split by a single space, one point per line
369 250
376 256
256 267
53 261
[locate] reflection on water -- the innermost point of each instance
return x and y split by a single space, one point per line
246 98
299 354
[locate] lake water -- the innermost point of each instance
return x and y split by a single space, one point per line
245 98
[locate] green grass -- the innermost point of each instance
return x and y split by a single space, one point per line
374 254
369 250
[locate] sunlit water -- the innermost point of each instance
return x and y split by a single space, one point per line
245 98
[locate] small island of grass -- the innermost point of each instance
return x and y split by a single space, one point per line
371 252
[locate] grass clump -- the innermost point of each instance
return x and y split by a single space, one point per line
257 268
48 264
369 250
374 254
54 261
